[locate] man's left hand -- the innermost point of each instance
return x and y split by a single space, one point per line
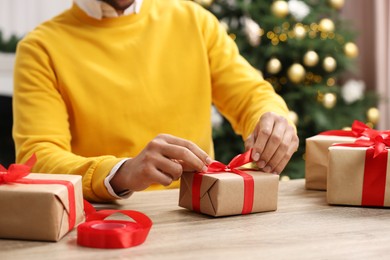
273 142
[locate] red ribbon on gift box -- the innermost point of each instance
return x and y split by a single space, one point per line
375 167
96 231
218 167
16 173
358 129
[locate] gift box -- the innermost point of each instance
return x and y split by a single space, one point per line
229 190
40 206
316 159
316 155
358 174
222 194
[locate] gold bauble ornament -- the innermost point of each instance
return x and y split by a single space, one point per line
336 4
373 115
293 117
310 58
329 100
351 50
296 73
224 25
299 31
326 25
329 64
279 8
274 66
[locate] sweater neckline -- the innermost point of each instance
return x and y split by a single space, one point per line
77 12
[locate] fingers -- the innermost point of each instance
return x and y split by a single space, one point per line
161 161
283 153
166 156
275 143
285 159
181 150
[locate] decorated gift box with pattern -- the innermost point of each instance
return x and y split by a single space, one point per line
316 155
358 173
229 190
38 206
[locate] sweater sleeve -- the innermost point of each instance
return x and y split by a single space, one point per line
41 123
239 91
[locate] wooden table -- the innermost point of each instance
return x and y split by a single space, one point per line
303 227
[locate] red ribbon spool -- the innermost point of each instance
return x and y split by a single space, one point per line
100 233
96 231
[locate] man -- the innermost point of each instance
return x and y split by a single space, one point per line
120 92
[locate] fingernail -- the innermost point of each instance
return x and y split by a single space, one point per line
267 169
261 164
204 169
209 160
256 157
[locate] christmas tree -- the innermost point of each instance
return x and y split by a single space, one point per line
304 49
8 45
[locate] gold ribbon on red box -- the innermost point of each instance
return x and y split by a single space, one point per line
218 167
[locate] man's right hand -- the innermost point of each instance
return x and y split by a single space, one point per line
163 160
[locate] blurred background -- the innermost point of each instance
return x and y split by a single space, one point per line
329 59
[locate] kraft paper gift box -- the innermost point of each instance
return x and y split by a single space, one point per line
222 194
316 155
356 177
44 207
231 189
316 158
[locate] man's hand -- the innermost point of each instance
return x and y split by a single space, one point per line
273 141
162 161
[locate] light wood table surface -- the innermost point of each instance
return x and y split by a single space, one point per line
303 227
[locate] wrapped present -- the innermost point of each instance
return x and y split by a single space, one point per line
38 206
229 190
316 155
358 172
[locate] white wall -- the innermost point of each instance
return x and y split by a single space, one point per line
21 16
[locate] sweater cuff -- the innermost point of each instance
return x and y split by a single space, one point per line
122 195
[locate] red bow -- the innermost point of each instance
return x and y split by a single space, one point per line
16 171
379 140
218 167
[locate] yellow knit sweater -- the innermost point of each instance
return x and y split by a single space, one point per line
89 93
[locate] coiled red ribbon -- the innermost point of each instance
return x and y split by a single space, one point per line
16 173
218 167
95 232
100 233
